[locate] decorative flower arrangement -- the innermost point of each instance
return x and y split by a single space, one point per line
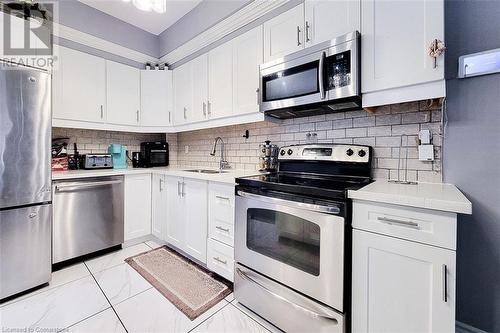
436 49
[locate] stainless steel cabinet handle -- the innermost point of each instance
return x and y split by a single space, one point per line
307 31
204 109
222 198
245 276
407 224
221 228
161 185
61 188
178 188
209 108
321 79
298 36
258 96
185 113
102 111
301 205
137 115
445 283
169 117
183 189
220 260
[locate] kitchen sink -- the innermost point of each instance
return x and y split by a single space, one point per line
205 171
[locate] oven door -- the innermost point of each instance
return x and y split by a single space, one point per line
297 244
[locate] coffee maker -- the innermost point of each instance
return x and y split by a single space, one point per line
119 155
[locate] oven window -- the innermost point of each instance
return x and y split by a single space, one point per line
284 237
158 158
294 82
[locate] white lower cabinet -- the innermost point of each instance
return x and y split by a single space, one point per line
194 194
399 285
187 216
221 213
137 206
220 259
159 203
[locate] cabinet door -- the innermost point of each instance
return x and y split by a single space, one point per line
220 76
137 206
200 87
401 286
284 34
326 20
123 94
395 38
183 93
175 212
79 81
247 56
195 195
159 206
156 98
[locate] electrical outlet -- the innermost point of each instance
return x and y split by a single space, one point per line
186 149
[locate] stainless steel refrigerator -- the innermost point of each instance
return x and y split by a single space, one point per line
25 179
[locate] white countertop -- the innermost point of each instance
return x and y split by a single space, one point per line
444 197
228 176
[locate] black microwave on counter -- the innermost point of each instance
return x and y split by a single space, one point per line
154 154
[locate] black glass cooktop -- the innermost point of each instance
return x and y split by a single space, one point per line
323 186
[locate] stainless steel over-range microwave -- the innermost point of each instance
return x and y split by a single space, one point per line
320 79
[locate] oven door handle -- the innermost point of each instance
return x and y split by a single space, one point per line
302 205
326 314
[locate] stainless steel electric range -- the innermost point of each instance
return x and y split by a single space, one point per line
293 237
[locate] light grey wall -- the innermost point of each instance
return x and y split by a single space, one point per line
79 16
202 17
195 30
472 160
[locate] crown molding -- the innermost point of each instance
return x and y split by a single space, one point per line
242 17
83 38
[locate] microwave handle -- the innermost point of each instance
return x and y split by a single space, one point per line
321 78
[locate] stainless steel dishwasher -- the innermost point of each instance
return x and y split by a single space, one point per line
88 216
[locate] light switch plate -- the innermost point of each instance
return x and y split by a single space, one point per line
426 152
424 136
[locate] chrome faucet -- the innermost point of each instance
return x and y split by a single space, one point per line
223 164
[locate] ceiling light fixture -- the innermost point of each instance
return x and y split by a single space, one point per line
158 6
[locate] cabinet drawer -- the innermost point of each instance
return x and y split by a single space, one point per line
220 259
415 224
221 213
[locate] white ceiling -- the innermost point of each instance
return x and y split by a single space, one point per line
150 21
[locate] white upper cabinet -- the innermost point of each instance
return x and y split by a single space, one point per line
284 34
156 98
220 76
395 39
325 20
79 82
123 94
401 286
183 93
200 88
247 56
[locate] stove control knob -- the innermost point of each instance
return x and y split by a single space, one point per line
290 152
361 153
282 152
349 152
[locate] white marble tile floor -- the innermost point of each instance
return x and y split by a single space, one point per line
106 295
